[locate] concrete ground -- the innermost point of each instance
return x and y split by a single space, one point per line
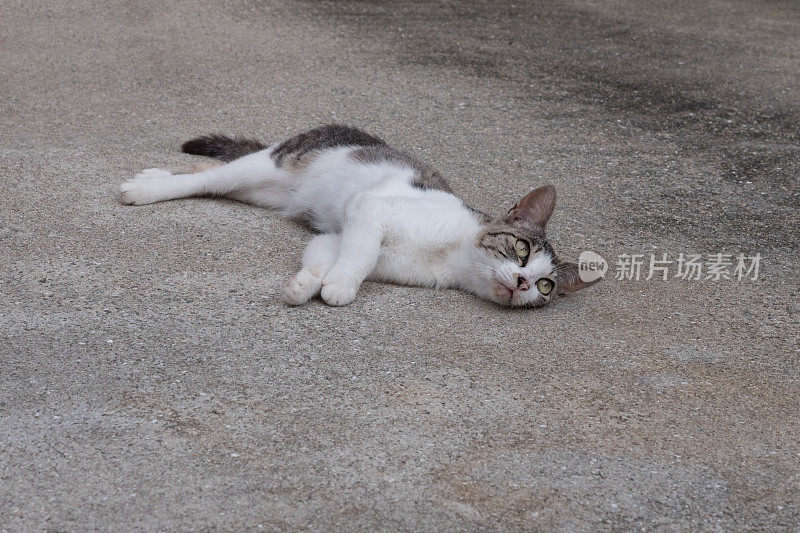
150 379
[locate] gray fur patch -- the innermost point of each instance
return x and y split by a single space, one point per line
426 177
322 138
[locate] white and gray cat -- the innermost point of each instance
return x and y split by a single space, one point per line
382 214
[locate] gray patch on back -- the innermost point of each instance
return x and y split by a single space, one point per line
322 138
425 176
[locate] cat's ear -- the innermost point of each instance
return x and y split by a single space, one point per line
568 279
535 209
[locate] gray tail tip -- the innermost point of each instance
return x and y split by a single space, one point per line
208 145
221 146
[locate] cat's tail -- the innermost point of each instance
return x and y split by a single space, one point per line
221 147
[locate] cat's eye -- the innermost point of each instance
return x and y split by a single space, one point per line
523 249
544 285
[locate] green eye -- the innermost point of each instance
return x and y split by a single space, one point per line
544 285
522 249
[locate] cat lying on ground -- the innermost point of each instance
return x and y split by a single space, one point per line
382 214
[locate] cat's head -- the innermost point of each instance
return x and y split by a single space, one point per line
516 264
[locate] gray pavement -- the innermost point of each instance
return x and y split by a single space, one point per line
151 380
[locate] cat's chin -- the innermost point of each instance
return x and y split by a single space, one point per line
502 294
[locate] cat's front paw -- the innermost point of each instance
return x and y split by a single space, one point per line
338 289
302 286
144 187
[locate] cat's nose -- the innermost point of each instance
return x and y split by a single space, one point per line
522 283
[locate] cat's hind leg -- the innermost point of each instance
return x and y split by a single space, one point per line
320 255
253 178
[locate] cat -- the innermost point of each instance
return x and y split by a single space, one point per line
382 215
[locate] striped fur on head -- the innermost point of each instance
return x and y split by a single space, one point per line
500 239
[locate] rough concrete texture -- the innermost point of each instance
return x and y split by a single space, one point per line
150 379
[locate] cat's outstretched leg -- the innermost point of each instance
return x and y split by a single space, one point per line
362 234
253 178
320 255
